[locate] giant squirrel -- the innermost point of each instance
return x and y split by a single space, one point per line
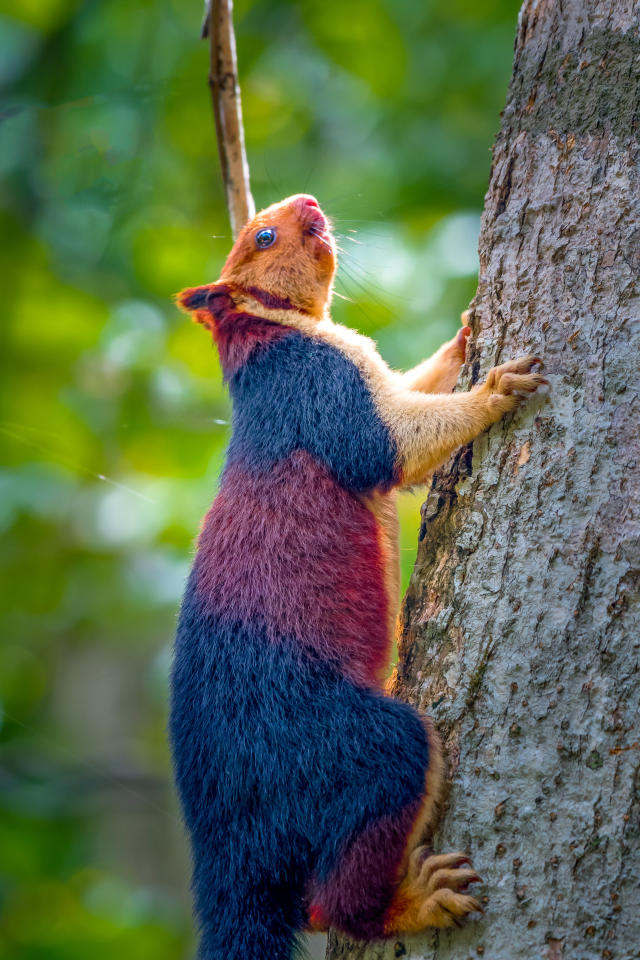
305 789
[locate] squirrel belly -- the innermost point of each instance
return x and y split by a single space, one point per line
293 553
304 788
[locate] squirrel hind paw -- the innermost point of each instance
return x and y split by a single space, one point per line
433 894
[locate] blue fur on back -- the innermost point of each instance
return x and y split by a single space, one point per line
279 759
303 393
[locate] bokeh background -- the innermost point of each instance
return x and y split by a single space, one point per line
114 421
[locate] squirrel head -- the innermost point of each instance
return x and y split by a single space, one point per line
285 256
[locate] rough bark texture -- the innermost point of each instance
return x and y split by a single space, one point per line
520 630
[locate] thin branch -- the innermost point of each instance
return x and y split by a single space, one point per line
227 111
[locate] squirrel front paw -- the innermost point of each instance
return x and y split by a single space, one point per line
456 348
450 358
506 384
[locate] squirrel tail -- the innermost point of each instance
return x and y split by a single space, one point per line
244 926
255 941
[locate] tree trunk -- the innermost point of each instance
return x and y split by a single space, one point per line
520 629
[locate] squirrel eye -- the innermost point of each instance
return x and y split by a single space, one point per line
265 237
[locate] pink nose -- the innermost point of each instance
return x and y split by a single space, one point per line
306 200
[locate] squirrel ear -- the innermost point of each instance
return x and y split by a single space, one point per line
201 303
193 299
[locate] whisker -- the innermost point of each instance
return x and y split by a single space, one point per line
272 182
365 272
320 237
355 301
344 196
369 282
366 288
311 170
356 264
377 234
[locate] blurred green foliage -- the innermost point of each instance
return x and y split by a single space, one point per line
114 419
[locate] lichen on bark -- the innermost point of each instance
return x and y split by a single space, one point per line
520 630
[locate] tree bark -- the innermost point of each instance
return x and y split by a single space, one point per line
520 630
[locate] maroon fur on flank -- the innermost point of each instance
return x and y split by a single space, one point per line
357 895
293 551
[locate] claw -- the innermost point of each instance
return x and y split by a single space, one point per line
465 886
